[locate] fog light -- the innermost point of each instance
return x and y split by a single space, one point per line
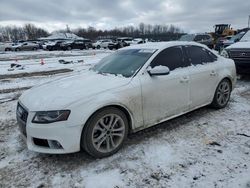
53 144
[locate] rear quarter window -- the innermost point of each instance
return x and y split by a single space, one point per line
198 55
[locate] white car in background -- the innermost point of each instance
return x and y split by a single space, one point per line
5 46
102 43
137 41
133 88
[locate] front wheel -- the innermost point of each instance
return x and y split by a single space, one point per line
222 94
105 132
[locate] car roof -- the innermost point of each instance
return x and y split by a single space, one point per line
163 45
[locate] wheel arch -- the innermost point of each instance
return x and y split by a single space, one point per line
119 107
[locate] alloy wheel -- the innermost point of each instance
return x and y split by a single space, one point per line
223 93
108 133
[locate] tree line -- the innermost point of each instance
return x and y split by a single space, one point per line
156 32
26 32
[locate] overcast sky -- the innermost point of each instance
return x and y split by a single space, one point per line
190 15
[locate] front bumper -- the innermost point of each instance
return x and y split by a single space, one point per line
53 138
242 66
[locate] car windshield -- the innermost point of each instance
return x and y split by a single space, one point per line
246 37
124 62
187 38
235 37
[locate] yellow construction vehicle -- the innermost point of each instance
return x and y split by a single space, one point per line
222 30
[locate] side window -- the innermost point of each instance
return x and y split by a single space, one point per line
198 55
170 57
204 37
207 37
198 38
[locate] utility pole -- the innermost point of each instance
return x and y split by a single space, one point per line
249 21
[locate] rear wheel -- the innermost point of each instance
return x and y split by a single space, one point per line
98 47
105 132
69 48
17 49
222 94
34 48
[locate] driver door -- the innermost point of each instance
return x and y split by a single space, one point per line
166 95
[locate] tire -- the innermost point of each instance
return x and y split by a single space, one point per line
98 47
7 49
34 48
105 132
17 49
222 94
69 48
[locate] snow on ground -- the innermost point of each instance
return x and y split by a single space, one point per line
51 62
205 148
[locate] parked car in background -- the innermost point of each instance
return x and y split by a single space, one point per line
124 41
205 39
234 39
6 46
114 45
220 41
240 53
76 44
55 45
137 41
25 46
224 42
130 90
102 43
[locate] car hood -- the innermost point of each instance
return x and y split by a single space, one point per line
60 94
239 45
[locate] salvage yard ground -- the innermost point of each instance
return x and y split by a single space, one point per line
205 148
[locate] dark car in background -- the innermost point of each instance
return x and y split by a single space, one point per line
76 44
225 42
240 53
205 39
56 45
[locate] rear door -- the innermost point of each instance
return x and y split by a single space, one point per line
203 75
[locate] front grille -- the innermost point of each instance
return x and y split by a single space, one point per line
239 54
22 116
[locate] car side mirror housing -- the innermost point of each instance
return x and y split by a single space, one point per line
158 71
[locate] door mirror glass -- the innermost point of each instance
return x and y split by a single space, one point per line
158 71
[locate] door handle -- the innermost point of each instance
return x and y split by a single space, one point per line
184 80
213 73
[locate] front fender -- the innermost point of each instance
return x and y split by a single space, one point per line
127 97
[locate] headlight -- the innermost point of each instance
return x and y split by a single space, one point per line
51 116
224 53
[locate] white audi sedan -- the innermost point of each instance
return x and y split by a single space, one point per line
131 89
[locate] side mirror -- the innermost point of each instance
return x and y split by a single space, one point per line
158 71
